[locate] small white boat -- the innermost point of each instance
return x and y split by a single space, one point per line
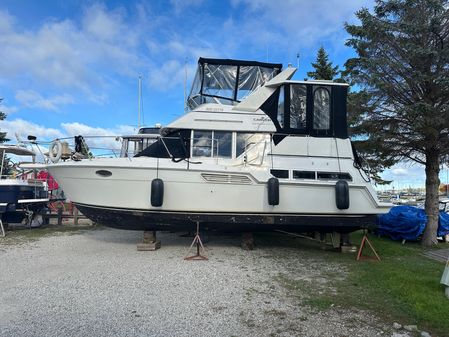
256 151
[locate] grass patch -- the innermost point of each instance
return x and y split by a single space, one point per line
19 236
404 286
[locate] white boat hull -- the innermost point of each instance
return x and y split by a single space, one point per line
202 193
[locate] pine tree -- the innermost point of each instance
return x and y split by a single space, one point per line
2 117
402 65
323 68
7 165
369 146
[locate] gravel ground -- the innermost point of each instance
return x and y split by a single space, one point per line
95 283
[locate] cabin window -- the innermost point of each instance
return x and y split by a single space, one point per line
212 144
334 176
245 141
133 146
281 174
222 144
321 109
202 143
298 100
303 174
281 108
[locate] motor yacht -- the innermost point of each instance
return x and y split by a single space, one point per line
256 151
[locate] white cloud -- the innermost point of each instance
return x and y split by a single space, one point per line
96 138
73 129
32 99
303 21
66 54
108 140
400 171
169 75
102 25
91 54
24 128
8 110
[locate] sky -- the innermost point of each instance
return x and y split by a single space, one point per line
71 67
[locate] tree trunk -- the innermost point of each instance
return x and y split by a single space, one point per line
432 184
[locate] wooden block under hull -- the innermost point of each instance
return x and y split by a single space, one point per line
148 246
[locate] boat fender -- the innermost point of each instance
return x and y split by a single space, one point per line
342 194
273 191
55 151
157 192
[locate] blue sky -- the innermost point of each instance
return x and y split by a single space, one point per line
71 67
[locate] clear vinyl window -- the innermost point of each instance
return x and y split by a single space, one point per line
298 100
321 109
281 108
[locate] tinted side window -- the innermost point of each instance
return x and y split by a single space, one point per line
303 174
334 176
283 174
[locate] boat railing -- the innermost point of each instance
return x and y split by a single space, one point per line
90 147
253 151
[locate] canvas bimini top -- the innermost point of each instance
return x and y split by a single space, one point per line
227 81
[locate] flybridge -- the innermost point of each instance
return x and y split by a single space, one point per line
314 108
228 81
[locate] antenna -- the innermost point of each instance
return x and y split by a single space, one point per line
139 103
297 60
185 84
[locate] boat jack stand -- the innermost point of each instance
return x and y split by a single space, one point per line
3 234
247 241
199 246
362 245
149 242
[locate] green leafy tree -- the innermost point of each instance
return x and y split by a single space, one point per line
402 65
323 67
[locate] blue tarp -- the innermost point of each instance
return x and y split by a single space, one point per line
407 222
